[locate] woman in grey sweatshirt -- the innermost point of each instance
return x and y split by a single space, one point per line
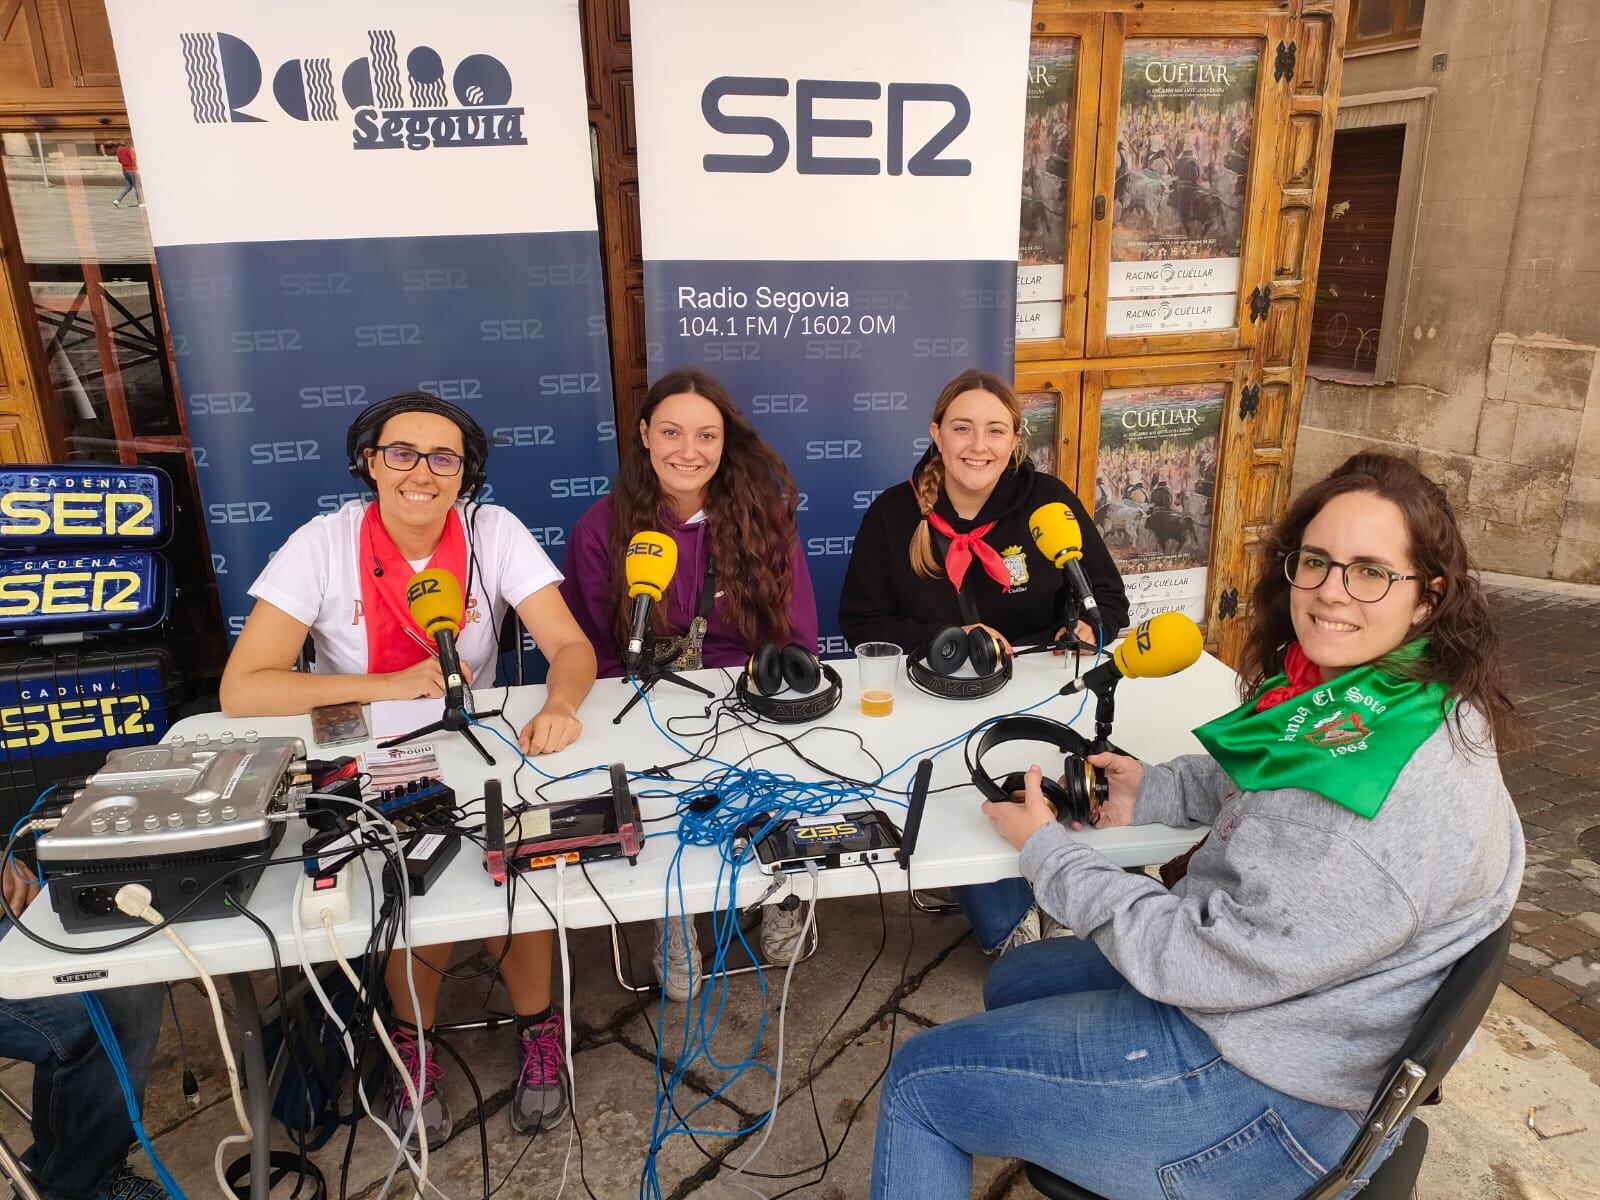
1222 1038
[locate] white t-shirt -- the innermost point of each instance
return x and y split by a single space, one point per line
315 578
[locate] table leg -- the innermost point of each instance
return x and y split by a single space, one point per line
258 1096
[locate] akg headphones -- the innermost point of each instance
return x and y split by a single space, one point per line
933 667
771 669
1085 785
364 430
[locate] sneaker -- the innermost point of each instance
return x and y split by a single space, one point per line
116 204
677 980
540 1098
780 931
129 1186
1049 927
1027 930
435 1115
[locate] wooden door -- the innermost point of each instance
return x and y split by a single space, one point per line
1052 408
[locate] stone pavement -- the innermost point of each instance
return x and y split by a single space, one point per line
1553 643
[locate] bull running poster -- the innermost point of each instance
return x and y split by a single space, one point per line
1184 135
1154 490
1046 168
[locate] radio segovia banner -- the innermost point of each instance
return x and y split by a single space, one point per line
829 210
1183 154
352 200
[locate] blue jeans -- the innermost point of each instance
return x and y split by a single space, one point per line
130 183
1074 1070
81 1130
994 909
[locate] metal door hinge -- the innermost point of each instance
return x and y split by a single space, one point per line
1283 64
1099 208
1249 400
1260 300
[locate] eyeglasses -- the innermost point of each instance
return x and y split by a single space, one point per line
443 463
1367 582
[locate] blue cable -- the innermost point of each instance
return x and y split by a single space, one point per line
113 1049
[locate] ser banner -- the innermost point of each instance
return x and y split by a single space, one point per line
352 200
829 207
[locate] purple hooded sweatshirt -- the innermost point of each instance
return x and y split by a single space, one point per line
589 591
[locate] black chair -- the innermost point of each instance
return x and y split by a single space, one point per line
1440 1035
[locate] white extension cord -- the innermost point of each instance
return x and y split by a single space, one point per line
134 899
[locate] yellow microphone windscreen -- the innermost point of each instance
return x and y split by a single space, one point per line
651 559
435 599
1165 644
1056 532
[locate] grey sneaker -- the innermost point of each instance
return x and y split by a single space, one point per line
540 1098
1027 930
681 975
1049 927
435 1113
780 931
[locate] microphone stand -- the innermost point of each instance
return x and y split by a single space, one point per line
457 718
649 673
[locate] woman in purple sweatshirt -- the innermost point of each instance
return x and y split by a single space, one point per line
700 473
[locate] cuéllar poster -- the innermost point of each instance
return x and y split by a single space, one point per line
1154 486
1046 154
1184 135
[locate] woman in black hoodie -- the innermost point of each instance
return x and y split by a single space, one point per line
951 546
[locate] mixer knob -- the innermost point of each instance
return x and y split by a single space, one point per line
227 737
251 735
203 739
203 816
229 812
123 825
98 825
152 822
175 820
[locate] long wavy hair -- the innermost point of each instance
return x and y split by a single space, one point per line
750 516
930 482
1463 639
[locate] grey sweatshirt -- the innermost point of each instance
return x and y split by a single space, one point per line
1305 940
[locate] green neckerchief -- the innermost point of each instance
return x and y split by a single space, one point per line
1347 739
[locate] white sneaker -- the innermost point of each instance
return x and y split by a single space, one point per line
116 204
681 976
780 931
1027 930
1049 927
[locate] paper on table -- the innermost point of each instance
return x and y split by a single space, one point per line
391 718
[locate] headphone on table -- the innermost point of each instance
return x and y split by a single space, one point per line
1085 785
772 668
933 667
364 430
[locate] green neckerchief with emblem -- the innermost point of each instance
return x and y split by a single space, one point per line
1347 739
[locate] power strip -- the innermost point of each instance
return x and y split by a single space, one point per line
327 893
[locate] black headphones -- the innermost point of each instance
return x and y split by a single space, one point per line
933 667
771 669
1085 785
364 430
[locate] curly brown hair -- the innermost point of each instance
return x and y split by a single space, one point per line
930 482
1463 640
750 516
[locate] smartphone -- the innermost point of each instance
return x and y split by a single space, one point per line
336 724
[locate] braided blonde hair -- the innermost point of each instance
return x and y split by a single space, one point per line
930 483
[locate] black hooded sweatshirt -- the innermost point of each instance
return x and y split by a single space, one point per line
883 599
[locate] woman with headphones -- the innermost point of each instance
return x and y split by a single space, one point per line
342 578
949 550
698 472
1225 1037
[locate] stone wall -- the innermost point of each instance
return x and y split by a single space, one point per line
1498 387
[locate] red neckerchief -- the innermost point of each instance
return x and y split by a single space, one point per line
1303 676
383 597
963 546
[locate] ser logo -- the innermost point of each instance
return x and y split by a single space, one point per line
830 547
580 485
224 76
810 126
334 395
832 645
833 448
879 402
780 402
524 435
454 390
266 454
240 512
572 383
548 535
